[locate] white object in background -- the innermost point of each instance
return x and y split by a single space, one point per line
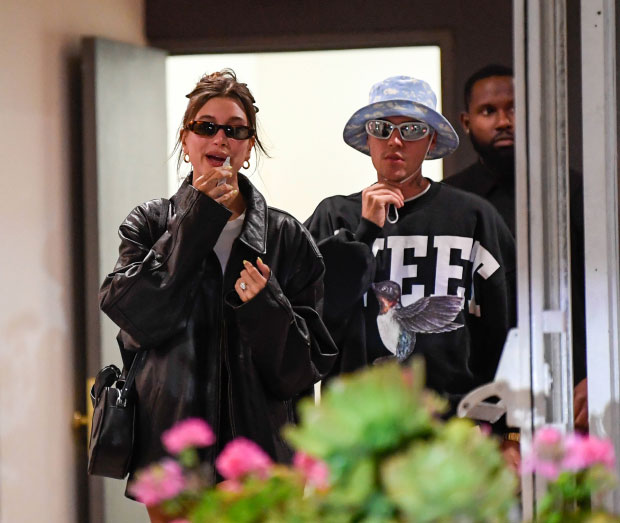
507 386
317 393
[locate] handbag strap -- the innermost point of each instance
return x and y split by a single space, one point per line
138 361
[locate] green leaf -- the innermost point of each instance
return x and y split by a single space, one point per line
355 488
189 457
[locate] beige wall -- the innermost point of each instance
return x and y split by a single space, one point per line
39 144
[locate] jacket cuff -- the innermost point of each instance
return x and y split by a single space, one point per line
270 298
187 196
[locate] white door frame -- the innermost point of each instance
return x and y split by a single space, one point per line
542 223
600 171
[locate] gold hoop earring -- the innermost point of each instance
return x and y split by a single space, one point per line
186 157
246 166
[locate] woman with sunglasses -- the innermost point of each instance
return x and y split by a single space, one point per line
414 266
220 289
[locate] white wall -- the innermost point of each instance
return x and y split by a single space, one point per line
305 99
38 40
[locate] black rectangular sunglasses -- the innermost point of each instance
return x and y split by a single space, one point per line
237 132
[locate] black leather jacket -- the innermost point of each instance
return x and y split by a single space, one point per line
239 366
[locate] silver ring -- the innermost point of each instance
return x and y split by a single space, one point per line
243 286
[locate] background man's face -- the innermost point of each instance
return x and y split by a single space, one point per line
489 120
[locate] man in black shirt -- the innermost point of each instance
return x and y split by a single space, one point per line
488 120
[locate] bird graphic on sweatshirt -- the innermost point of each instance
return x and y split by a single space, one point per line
398 325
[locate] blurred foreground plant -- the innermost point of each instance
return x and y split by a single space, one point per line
391 458
579 470
374 450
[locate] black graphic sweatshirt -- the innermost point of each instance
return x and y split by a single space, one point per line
446 242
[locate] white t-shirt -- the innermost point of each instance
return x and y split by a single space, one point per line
231 230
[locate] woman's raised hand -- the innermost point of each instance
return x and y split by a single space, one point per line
252 280
215 184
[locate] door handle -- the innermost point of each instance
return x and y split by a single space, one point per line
79 420
85 420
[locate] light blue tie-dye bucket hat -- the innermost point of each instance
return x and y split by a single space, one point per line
402 96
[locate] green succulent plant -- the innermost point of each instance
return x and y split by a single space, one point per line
458 473
392 458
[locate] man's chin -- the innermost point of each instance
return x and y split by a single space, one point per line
394 177
500 154
504 150
501 159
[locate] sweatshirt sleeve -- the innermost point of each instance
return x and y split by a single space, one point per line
345 242
147 292
350 264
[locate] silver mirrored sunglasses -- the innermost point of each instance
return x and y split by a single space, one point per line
409 131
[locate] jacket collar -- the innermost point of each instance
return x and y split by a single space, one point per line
254 231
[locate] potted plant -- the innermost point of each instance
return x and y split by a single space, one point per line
374 450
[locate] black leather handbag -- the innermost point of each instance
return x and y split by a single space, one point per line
112 434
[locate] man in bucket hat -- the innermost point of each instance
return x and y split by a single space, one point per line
438 262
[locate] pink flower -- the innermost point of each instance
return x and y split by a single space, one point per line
315 471
553 453
547 436
485 429
547 469
547 454
180 521
157 483
585 451
241 457
192 432
548 444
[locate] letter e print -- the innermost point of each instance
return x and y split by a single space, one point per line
483 264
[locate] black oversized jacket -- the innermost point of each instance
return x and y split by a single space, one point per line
446 242
237 365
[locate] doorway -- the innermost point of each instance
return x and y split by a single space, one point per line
127 159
